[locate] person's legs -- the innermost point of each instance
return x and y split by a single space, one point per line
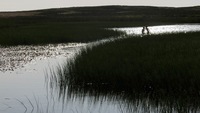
143 29
147 30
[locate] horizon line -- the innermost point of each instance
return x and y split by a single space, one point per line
47 8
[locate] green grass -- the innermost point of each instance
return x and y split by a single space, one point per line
157 64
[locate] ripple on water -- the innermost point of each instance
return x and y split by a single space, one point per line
15 57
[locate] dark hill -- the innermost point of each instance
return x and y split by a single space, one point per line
134 14
124 13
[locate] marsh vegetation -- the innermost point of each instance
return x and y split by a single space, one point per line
159 70
156 73
148 64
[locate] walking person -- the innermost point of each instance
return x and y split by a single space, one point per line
145 28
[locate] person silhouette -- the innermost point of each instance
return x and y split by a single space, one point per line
145 28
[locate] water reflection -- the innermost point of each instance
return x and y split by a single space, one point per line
15 57
62 95
28 82
104 98
162 29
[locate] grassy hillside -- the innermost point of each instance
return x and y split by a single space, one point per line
112 13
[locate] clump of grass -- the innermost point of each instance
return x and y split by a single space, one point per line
159 65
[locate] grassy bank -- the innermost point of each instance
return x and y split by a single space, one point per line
157 64
82 24
53 33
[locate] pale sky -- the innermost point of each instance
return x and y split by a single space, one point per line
18 5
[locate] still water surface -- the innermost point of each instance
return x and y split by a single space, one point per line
27 85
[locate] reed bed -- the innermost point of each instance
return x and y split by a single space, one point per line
157 64
152 73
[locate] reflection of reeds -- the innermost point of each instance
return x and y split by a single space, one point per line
162 68
33 105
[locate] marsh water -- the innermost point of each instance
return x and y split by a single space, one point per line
164 29
28 81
